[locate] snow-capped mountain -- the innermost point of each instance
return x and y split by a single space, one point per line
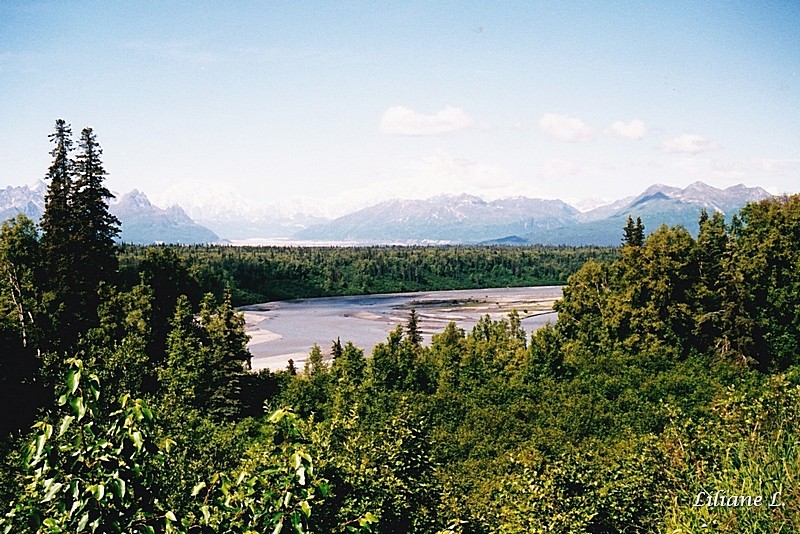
658 204
231 214
446 218
461 219
469 219
28 200
142 222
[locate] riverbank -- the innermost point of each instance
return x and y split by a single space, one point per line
285 330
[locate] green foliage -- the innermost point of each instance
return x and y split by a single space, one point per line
277 488
380 468
117 348
602 487
765 262
86 472
19 296
206 359
22 323
260 274
750 448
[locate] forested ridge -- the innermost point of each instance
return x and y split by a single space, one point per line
261 274
669 381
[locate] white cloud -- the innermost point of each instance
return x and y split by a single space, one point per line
400 120
564 128
634 129
689 144
442 173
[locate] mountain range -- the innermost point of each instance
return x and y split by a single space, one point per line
459 219
468 219
232 213
462 219
142 222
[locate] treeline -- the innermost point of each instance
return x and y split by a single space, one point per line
668 384
260 274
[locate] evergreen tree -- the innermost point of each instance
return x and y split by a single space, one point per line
208 359
713 287
185 376
633 233
78 234
58 229
336 349
412 329
97 228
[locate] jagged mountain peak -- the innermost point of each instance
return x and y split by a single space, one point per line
466 218
444 218
38 187
142 222
134 199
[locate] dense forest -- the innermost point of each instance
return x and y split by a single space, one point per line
663 399
261 274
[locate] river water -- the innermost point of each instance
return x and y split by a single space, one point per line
288 329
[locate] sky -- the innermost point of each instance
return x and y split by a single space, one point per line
329 106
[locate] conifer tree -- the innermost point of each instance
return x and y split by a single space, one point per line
633 233
336 349
78 234
98 227
412 329
58 225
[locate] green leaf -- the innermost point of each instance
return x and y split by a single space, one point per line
51 490
98 490
196 489
138 442
65 424
119 487
41 439
278 527
83 521
306 508
78 407
73 380
171 516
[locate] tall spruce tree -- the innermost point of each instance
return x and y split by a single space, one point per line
77 234
58 231
633 233
96 255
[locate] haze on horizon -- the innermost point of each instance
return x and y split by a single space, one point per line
330 106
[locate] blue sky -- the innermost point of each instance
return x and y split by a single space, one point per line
332 105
